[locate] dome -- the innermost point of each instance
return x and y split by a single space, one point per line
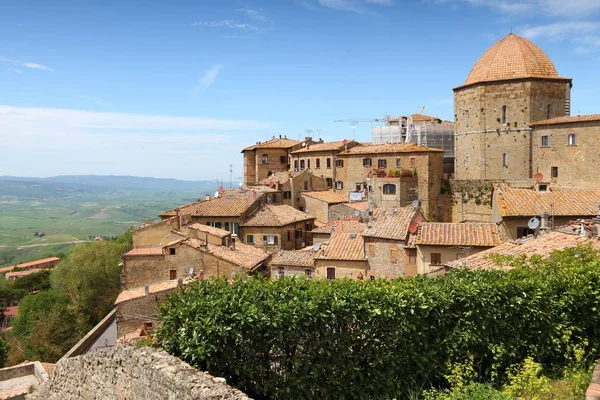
512 57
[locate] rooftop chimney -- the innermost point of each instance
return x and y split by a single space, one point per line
146 290
207 197
582 227
279 136
177 219
233 243
544 218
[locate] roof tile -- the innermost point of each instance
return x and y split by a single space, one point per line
283 143
327 196
346 243
329 146
230 203
277 215
568 119
389 148
392 223
463 234
300 258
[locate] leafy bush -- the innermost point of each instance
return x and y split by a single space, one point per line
343 339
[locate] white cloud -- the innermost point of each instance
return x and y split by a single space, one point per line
66 141
254 14
38 67
209 76
228 23
30 65
571 9
558 30
357 6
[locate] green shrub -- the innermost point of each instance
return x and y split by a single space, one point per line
342 339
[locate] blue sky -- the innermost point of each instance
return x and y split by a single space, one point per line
177 88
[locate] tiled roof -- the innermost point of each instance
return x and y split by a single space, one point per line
230 203
348 224
29 264
423 118
248 257
276 143
361 206
391 223
346 243
525 202
139 292
328 196
277 215
20 274
210 230
464 234
11 311
281 177
300 258
543 245
144 251
512 57
387 148
155 224
329 146
568 119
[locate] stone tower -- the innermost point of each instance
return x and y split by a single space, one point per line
512 84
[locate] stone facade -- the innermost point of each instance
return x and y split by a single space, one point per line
125 372
143 270
445 253
135 313
388 258
156 234
351 269
289 237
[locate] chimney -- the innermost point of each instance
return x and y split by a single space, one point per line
233 243
207 197
279 136
178 219
582 227
307 139
146 290
544 218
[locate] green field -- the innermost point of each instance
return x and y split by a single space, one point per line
71 213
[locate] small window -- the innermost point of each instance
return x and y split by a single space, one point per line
339 163
554 172
227 226
301 164
367 162
308 163
412 256
295 164
339 185
305 185
329 163
503 115
523 231
436 259
545 141
329 182
249 239
504 160
398 164
265 159
235 228
549 111
389 188
381 163
287 195
359 187
330 273
542 188
282 160
571 140
317 163
280 272
289 236
270 239
413 162
172 274
466 114
172 251
308 273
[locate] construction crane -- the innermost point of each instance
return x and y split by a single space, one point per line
354 121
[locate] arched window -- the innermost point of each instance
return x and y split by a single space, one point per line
389 188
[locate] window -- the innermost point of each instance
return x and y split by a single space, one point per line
249 239
234 228
265 159
295 164
330 273
339 163
359 187
523 231
398 164
571 140
289 236
282 160
317 163
436 259
172 251
301 164
367 162
466 114
393 255
308 163
545 141
329 163
280 272
542 188
372 250
381 163
412 256
339 185
504 160
329 182
308 273
389 188
214 224
226 226
270 239
305 185
503 115
554 172
287 195
172 274
548 111
413 162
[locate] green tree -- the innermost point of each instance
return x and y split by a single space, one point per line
4 350
36 281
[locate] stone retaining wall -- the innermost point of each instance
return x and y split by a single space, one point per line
126 372
593 390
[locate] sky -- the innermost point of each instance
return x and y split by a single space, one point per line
176 88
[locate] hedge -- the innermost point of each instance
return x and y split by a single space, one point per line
342 339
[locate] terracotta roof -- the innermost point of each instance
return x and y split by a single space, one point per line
20 274
29 264
543 245
210 230
464 234
512 57
327 196
283 143
299 258
424 118
246 256
391 223
568 119
230 203
281 177
11 311
139 292
387 148
329 146
350 222
523 202
361 206
277 215
144 251
346 243
154 224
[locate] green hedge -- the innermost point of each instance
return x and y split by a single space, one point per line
293 338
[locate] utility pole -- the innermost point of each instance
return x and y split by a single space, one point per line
230 175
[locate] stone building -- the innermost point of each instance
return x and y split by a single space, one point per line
295 263
156 234
353 209
319 203
278 227
393 174
441 243
323 232
266 158
343 255
290 185
320 159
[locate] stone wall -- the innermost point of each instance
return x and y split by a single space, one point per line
322 171
343 268
282 233
125 372
133 314
386 258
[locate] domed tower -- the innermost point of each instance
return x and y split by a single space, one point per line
512 84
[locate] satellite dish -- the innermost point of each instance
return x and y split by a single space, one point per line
240 184
533 223
216 194
413 228
415 203
191 271
303 144
356 213
316 246
538 177
307 210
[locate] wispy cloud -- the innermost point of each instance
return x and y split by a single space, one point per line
30 65
209 76
576 8
356 6
227 23
256 14
95 100
558 30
